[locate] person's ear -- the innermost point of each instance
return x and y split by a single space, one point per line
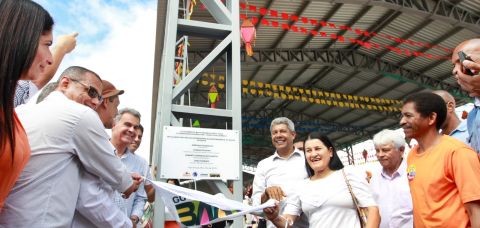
63 84
432 118
450 106
104 103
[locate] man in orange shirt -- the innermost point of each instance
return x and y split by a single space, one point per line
442 171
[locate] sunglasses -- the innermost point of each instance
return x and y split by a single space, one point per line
92 92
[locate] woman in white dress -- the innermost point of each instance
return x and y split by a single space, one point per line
324 197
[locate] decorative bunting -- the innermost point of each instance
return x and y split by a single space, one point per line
248 34
313 96
196 123
314 22
334 36
213 96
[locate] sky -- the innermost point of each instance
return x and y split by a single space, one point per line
116 40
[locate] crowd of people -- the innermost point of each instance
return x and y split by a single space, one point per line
59 168
434 186
63 171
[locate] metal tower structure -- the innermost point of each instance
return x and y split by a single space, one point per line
168 104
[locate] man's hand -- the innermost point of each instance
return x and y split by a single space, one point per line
135 220
273 192
137 179
470 84
271 212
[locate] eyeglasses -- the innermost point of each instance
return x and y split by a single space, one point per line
92 92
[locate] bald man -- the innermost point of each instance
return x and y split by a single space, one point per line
471 84
452 126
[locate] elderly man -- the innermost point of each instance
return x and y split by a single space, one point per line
390 185
95 205
442 171
277 175
470 83
452 126
124 130
67 139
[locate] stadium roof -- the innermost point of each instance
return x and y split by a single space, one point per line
340 67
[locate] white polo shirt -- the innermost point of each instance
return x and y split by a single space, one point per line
283 172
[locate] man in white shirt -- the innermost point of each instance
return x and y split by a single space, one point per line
134 147
390 185
95 205
126 122
277 175
66 139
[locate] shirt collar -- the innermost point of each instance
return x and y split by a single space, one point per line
127 153
461 127
55 95
477 101
401 171
296 152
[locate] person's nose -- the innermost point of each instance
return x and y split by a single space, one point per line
456 69
131 129
49 58
95 102
380 154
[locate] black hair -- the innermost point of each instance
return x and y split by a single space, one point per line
175 181
427 103
335 162
22 22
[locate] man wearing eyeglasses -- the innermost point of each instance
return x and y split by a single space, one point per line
95 205
89 95
66 139
452 126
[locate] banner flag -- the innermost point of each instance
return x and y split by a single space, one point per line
195 208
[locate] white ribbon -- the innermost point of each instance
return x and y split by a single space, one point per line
195 208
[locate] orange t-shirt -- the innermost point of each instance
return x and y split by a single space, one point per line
441 180
9 171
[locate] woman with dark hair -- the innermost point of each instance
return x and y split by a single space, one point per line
325 197
26 35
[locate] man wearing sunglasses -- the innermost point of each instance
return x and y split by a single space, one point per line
66 139
84 92
95 205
